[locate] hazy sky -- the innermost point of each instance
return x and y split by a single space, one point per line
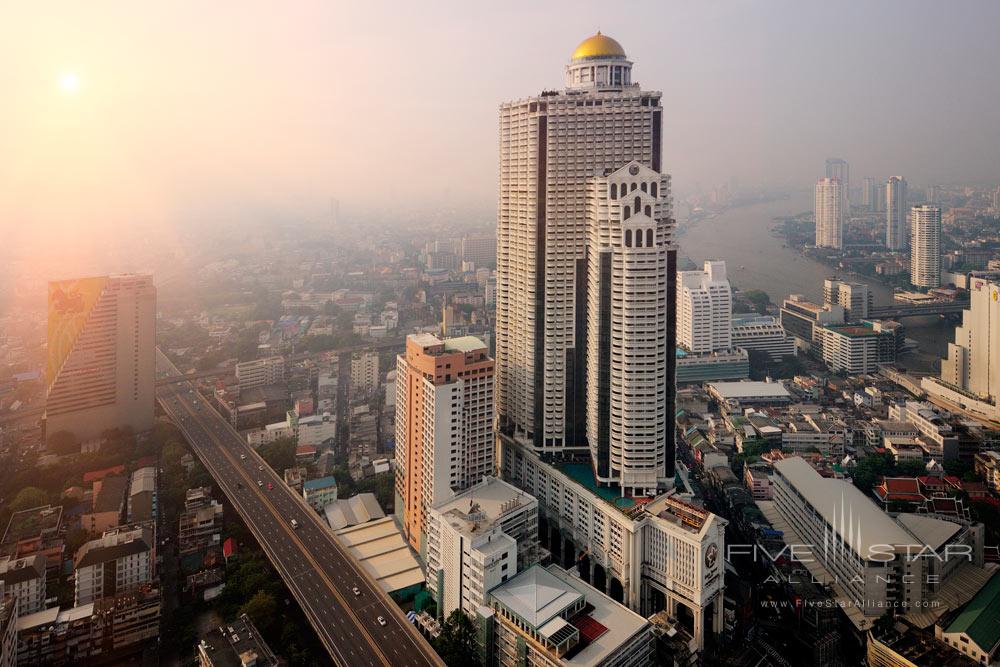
194 112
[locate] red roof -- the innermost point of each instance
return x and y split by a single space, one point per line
899 489
303 450
95 475
588 627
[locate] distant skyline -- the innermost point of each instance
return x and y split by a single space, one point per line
151 117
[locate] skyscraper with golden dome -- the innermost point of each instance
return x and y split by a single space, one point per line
554 388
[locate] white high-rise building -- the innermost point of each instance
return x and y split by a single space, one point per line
551 145
869 193
925 246
705 309
829 213
260 372
117 562
631 234
856 298
101 354
839 169
897 233
973 362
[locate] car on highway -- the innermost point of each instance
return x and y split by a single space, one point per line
269 486
356 591
243 457
260 468
260 482
295 524
381 621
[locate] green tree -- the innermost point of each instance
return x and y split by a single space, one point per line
457 642
64 443
870 468
759 299
261 609
279 454
28 497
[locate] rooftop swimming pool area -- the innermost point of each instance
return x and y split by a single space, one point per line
583 474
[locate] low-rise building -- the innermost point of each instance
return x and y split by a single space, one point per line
24 579
108 505
975 632
763 333
320 492
142 495
235 644
477 540
200 524
710 366
987 466
734 396
857 349
545 616
118 562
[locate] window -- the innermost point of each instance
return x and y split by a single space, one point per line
649 237
628 238
614 191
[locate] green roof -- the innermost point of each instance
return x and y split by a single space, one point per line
980 619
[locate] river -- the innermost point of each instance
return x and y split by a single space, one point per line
757 260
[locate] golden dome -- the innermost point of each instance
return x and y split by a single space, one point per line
598 46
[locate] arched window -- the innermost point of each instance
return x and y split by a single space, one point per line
638 238
614 191
638 204
628 238
652 189
649 238
649 210
626 214
643 186
633 186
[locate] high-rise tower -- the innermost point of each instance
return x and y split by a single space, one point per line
839 168
925 246
897 234
101 355
705 309
551 146
829 213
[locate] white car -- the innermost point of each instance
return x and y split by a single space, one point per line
260 468
295 524
243 457
356 591
381 621
260 482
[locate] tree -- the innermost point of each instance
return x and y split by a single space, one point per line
457 642
870 468
261 609
64 443
28 497
759 299
279 454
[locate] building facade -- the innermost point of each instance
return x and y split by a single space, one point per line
444 424
858 348
705 309
101 354
830 213
925 246
364 373
551 145
119 561
972 365
260 372
856 299
763 333
477 540
839 169
630 237
897 232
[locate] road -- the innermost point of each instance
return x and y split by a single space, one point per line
315 567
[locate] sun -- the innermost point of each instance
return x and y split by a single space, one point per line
69 83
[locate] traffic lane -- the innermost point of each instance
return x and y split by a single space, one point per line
286 549
393 631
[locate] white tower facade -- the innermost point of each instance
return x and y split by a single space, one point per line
897 234
839 169
631 234
829 213
925 246
973 363
551 145
705 309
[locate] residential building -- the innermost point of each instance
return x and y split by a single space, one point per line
545 616
476 540
627 342
551 146
200 524
987 466
869 193
856 298
857 349
108 504
261 372
101 355
364 373
705 309
8 629
830 213
763 333
444 424
319 492
970 376
799 317
24 579
119 561
925 246
897 232
839 169
480 250
142 495
235 644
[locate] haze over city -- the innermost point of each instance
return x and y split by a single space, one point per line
452 334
